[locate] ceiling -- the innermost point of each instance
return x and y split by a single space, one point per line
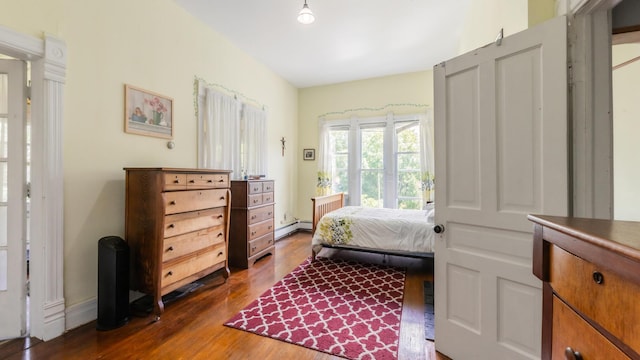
350 39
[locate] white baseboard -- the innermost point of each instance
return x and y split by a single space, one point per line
80 314
292 228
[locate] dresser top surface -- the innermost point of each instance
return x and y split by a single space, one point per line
177 170
615 235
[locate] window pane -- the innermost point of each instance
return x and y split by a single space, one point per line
408 137
372 148
409 204
409 161
339 147
409 184
372 188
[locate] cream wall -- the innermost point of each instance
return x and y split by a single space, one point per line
378 93
626 133
155 45
485 19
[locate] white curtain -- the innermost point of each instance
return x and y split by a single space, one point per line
254 140
221 127
426 158
323 185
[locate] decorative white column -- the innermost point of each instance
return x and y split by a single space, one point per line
47 197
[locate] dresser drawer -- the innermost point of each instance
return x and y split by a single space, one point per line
267 198
175 181
267 186
203 181
173 272
260 214
259 229
613 303
191 221
183 201
255 187
184 244
255 200
260 244
570 330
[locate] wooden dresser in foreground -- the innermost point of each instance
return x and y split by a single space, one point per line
176 225
252 226
591 290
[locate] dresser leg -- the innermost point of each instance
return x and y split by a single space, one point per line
158 308
226 273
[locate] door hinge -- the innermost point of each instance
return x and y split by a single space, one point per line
28 190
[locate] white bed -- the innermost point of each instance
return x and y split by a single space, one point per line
387 231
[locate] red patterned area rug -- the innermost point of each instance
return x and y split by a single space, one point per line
336 306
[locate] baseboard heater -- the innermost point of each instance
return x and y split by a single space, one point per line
292 228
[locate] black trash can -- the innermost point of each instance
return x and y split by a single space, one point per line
113 283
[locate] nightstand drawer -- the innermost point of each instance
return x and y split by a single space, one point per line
192 221
609 303
260 214
570 330
184 244
260 244
183 201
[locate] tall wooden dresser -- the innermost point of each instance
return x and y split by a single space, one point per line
176 225
252 225
591 290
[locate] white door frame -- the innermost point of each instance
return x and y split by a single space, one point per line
48 57
592 108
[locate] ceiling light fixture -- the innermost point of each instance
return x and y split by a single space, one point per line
306 16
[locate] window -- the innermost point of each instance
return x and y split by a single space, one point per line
376 162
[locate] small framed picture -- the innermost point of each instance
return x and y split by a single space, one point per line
309 154
147 113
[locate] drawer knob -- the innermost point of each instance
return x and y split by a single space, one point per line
170 248
172 202
192 181
220 216
171 226
209 181
270 213
221 197
220 235
253 217
253 233
176 181
569 354
221 180
170 273
598 277
220 253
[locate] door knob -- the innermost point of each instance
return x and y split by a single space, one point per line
438 228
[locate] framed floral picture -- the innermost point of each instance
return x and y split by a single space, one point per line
147 113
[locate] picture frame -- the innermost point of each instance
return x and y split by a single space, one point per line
309 154
147 113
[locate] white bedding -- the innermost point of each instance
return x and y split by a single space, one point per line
374 228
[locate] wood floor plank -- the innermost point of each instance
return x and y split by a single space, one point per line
191 327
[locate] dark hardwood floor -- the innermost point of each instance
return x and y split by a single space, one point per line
191 327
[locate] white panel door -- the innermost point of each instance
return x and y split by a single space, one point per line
12 199
500 154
